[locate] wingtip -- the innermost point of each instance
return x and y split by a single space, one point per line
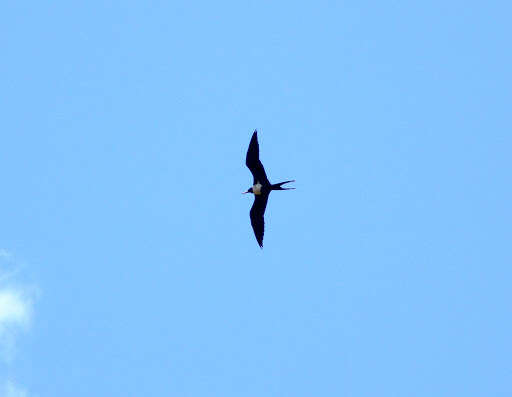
260 243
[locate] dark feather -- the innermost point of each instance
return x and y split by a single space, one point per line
257 216
253 162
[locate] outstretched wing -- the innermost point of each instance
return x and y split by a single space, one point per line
257 216
252 161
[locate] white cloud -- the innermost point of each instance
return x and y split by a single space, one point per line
15 307
16 310
15 316
11 390
16 303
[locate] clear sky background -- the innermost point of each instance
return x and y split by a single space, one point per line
128 263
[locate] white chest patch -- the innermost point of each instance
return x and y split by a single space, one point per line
256 189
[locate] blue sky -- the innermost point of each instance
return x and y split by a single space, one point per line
128 264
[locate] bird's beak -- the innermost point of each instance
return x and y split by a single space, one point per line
245 192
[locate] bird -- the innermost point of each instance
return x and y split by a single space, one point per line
261 188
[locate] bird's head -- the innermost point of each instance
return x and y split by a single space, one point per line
248 191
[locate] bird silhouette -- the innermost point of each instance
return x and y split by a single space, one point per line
261 188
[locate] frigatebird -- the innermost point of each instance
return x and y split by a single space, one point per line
261 188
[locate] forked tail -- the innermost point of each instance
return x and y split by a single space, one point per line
277 186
